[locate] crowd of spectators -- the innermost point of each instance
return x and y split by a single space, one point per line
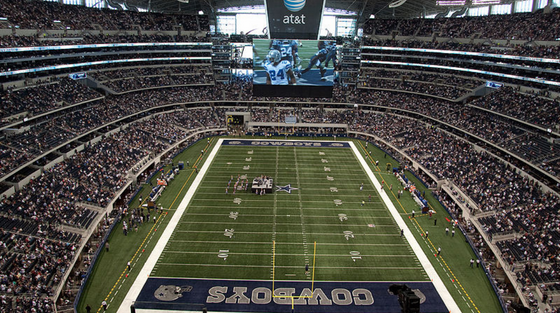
21 148
31 266
532 147
539 75
31 240
36 140
452 80
551 166
43 97
498 130
520 26
38 67
147 82
443 91
14 41
273 115
539 51
11 159
52 15
527 107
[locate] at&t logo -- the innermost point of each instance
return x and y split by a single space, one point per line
294 5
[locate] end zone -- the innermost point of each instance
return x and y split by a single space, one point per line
176 294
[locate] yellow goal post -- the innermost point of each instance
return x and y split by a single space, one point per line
274 272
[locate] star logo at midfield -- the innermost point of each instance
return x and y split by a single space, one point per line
288 188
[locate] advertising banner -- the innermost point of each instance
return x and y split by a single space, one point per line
294 19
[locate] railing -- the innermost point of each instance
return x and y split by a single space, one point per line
92 264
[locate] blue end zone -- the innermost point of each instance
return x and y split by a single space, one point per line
282 143
256 296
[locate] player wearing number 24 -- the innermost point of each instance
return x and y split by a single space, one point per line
278 71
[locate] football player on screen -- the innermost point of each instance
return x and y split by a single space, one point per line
288 49
331 54
278 71
317 61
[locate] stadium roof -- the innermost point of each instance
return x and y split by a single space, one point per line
363 8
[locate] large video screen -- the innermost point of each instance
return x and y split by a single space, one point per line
294 68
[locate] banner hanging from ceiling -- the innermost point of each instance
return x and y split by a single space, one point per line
294 19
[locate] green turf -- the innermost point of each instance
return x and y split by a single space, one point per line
294 221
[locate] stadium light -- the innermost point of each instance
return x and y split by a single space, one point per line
451 2
485 2
396 3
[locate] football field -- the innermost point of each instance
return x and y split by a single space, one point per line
322 235
322 204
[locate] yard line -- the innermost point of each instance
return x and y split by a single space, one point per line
324 204
291 266
289 224
260 199
281 233
260 208
272 215
349 209
296 254
348 174
314 186
293 243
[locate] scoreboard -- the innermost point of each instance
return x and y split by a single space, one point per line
235 120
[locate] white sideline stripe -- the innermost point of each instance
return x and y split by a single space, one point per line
428 267
162 242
